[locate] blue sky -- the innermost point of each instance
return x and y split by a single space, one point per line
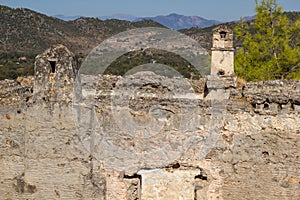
223 10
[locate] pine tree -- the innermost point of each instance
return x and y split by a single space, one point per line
271 45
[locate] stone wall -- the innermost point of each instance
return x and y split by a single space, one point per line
149 137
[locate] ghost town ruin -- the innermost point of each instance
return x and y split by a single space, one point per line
57 144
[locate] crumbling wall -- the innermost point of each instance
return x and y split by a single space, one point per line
255 156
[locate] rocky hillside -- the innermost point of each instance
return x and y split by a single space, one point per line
24 30
25 33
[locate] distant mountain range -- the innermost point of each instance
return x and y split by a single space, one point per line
177 22
24 30
119 17
66 18
125 17
173 21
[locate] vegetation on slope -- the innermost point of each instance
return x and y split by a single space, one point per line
14 64
271 46
25 33
136 58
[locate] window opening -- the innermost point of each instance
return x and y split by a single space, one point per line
53 66
221 72
223 34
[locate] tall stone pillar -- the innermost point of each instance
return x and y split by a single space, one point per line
222 62
222 77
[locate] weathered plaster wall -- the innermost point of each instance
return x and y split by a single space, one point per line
256 156
221 59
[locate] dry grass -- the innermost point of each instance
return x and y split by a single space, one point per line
240 82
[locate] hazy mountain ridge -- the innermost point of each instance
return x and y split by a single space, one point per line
177 22
66 17
173 21
119 17
114 16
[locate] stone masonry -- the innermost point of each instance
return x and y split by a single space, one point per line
222 52
145 136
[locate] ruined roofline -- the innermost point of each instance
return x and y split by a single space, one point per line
222 28
258 95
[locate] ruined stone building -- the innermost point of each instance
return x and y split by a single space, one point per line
145 136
